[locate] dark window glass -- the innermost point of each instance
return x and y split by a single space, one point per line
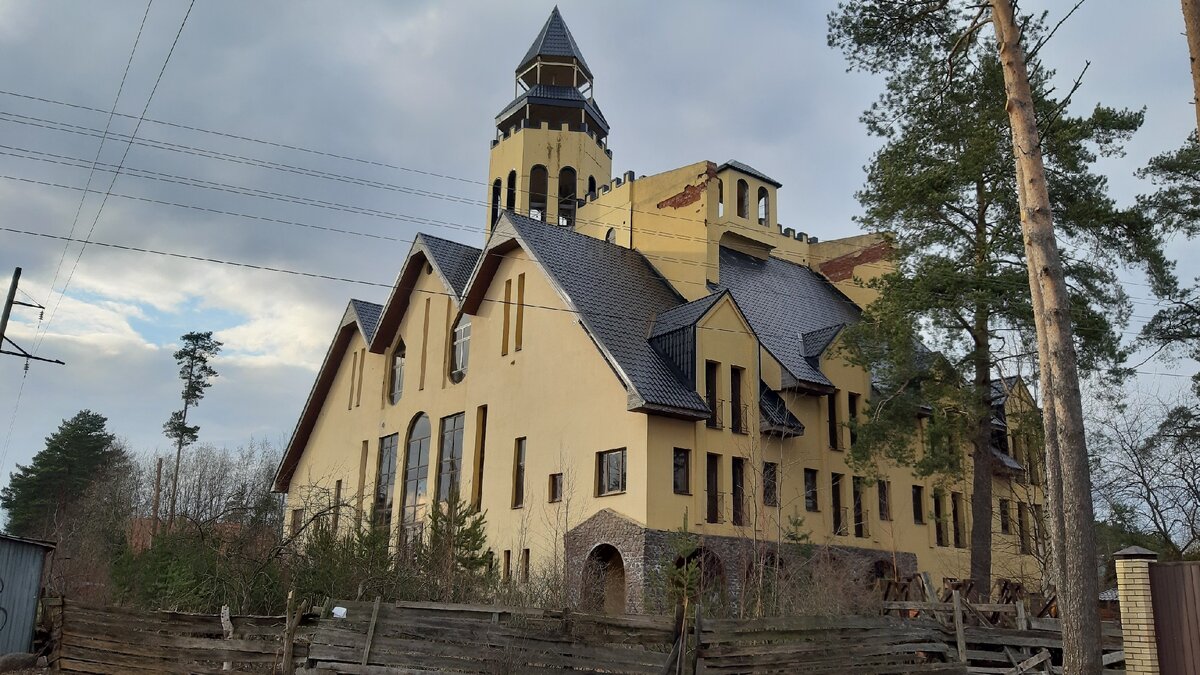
497 187
518 498
743 199
918 504
853 404
956 519
460 348
556 487
711 368
510 197
397 379
739 491
450 467
682 471
770 484
385 481
416 475
1005 517
839 512
831 404
610 471
810 490
736 414
939 518
885 500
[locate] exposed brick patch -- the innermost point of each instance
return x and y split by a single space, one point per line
691 193
842 267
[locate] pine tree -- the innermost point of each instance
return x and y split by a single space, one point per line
194 369
41 494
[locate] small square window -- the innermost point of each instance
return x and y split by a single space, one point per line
556 487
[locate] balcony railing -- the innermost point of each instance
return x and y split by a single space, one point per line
740 415
862 523
715 511
716 417
841 521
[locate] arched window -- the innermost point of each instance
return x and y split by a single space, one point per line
510 199
611 235
566 197
764 207
720 199
416 476
743 199
591 185
397 374
496 188
460 348
539 184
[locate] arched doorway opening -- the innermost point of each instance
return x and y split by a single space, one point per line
712 589
604 581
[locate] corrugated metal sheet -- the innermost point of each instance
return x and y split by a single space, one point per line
20 585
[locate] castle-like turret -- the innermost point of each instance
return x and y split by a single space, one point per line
551 141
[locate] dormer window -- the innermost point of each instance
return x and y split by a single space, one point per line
397 374
460 348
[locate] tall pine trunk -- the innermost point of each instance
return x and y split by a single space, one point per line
981 471
1078 589
1191 25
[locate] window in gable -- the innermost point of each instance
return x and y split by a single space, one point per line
460 348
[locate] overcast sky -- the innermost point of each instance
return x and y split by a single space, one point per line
405 95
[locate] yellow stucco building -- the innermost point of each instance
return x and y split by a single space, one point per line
622 354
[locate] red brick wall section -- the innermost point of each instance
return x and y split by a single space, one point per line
842 267
691 193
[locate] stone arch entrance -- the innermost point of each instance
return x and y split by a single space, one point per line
713 591
604 588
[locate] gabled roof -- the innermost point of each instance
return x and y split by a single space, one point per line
616 295
785 303
360 315
1003 387
687 314
749 170
555 39
450 260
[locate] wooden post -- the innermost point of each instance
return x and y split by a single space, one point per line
155 502
289 635
958 628
226 623
371 631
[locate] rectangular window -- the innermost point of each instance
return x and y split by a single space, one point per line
681 471
739 491
297 521
711 370
839 513
337 503
519 333
810 491
610 472
555 488
885 499
397 379
480 443
416 477
525 565
770 484
507 574
861 523
450 466
424 344
1005 517
518 490
956 519
712 484
385 481
362 366
852 400
737 416
461 348
918 503
353 377
507 309
362 481
831 404
1023 527
939 518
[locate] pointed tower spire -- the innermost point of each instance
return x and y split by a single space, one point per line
555 41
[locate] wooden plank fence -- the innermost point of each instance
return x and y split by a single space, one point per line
424 637
116 640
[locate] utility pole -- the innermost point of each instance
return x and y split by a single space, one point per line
9 301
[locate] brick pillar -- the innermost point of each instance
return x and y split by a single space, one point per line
1137 610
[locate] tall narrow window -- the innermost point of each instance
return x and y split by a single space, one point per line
956 519
566 196
510 197
832 413
480 446
739 491
610 472
297 521
810 491
539 185
681 471
1005 517
519 332
555 489
497 188
885 499
764 207
416 476
518 490
852 402
860 512
385 482
591 185
918 504
770 484
505 324
743 199
397 379
839 512
737 415
362 366
337 504
507 575
353 376
524 565
460 349
1023 526
712 484
360 495
711 368
720 199
450 464
939 518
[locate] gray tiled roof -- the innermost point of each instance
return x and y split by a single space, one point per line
774 414
368 317
1004 460
1002 387
555 39
618 295
456 261
784 301
684 315
553 94
747 169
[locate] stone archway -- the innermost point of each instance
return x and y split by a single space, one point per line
713 588
603 587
